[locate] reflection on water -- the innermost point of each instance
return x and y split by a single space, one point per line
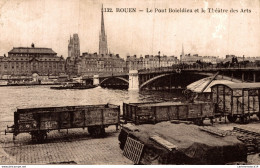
42 96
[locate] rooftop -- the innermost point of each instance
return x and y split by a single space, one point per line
242 85
31 50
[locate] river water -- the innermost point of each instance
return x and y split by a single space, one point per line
14 97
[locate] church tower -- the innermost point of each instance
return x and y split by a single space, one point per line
70 46
102 37
74 47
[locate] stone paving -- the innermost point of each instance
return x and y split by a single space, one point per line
76 147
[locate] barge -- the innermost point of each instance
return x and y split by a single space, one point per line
73 86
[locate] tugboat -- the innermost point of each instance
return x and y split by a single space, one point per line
73 86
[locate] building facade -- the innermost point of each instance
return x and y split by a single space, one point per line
96 64
150 61
25 61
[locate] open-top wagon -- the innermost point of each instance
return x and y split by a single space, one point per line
165 111
39 121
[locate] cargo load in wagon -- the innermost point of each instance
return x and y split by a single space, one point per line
167 143
165 111
39 121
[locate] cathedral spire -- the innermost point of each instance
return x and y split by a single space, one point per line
102 22
102 36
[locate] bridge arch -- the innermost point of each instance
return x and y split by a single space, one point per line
121 78
203 75
153 79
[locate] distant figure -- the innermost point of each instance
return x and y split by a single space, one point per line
107 105
32 45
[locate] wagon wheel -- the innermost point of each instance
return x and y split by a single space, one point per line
258 115
231 118
39 136
97 131
211 120
103 132
198 121
244 119
42 136
90 130
34 136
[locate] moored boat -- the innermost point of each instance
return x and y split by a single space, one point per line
73 86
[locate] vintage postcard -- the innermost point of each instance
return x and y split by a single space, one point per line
118 82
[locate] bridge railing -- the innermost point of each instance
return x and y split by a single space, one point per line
180 67
196 67
104 75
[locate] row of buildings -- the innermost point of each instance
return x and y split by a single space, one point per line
25 61
150 61
28 61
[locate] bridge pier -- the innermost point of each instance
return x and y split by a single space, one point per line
96 80
133 80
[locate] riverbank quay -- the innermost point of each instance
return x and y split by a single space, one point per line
14 85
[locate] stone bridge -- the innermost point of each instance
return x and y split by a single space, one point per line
172 78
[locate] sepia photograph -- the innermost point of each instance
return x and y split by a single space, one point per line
119 82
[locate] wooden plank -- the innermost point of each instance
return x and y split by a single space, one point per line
168 145
130 128
162 113
93 117
194 111
173 112
78 118
110 116
26 117
213 131
180 121
183 112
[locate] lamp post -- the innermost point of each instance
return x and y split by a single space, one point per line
159 60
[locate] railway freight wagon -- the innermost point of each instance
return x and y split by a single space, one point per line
166 111
39 121
236 100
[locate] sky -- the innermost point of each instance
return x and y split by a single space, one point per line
49 23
